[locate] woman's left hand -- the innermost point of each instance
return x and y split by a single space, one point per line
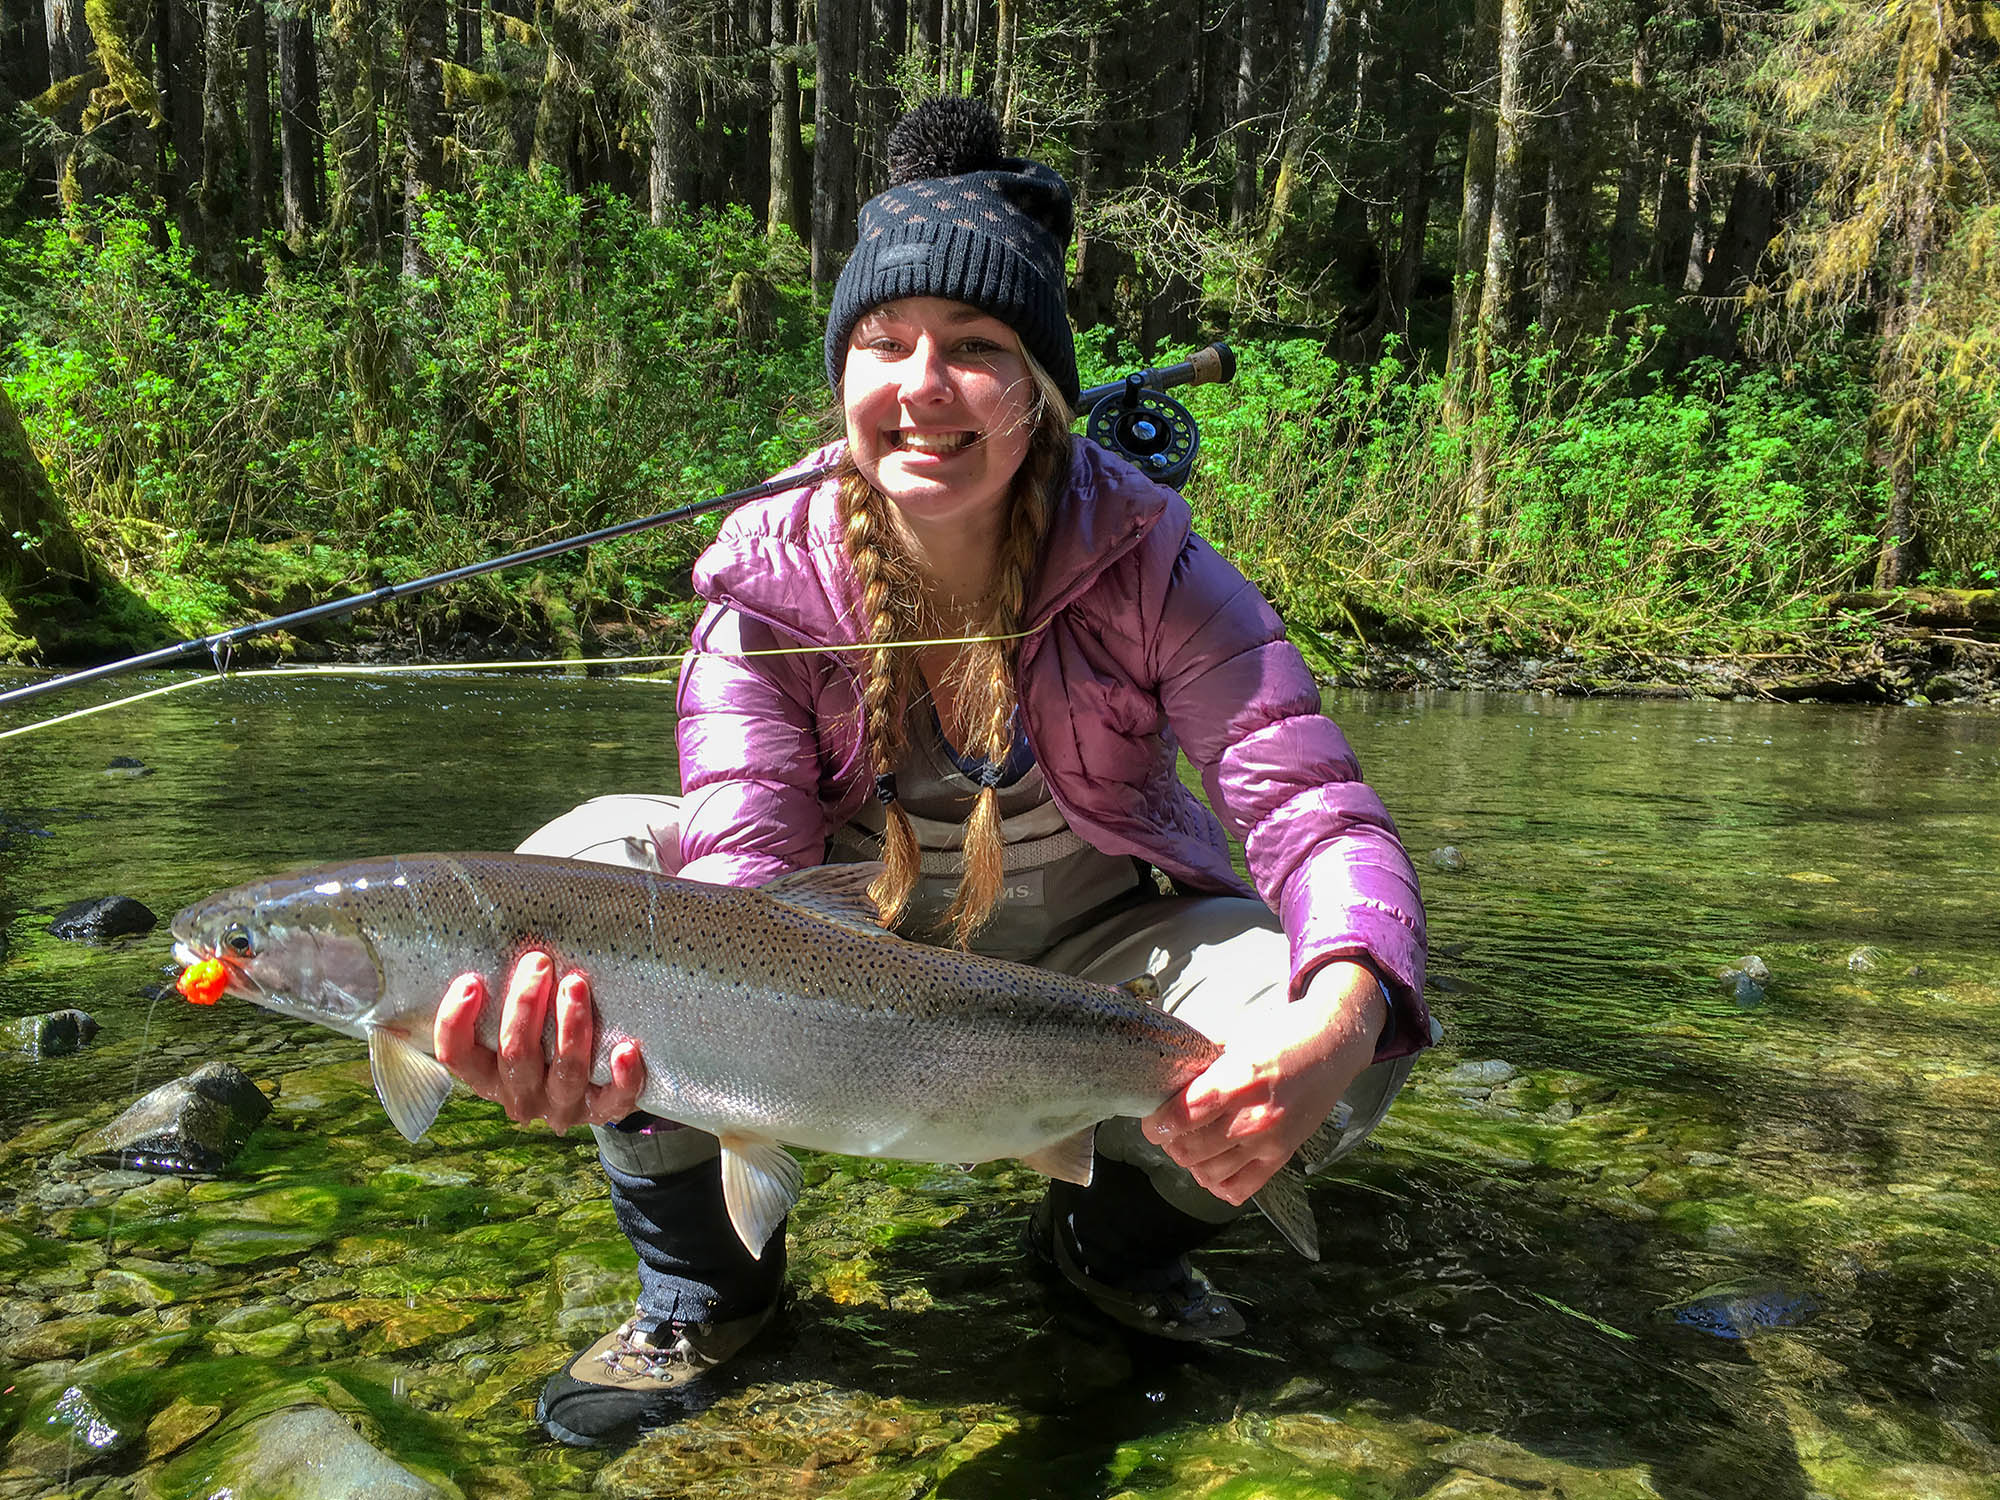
1280 1075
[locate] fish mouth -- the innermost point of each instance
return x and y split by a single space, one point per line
240 982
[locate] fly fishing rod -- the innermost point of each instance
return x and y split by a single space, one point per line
1137 421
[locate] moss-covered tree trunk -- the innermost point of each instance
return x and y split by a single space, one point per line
40 554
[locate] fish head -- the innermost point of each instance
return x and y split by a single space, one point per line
292 945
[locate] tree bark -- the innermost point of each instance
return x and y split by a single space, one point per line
1246 139
1627 244
470 43
221 170
356 217
1475 205
179 47
423 122
1305 114
1496 290
674 176
67 33
257 116
1566 203
781 212
833 140
298 124
556 106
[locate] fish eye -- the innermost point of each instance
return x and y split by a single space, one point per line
236 938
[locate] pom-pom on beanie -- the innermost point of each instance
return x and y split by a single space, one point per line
962 221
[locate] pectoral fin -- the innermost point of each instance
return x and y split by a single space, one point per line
1068 1159
1284 1202
760 1183
411 1084
1142 987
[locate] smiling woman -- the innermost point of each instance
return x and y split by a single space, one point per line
976 653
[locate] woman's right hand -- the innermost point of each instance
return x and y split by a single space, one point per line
558 1090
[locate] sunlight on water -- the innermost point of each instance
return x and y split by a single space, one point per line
1634 1229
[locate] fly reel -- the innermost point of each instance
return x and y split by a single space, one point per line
1151 429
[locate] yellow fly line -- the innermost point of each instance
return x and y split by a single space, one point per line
449 668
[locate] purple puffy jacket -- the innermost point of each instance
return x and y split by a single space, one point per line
1153 644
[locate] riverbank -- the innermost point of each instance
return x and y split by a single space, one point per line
1920 647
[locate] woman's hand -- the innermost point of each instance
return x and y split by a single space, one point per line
560 1090
1280 1075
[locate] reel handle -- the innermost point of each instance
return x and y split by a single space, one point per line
1215 363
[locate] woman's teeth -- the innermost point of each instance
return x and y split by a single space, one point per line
929 442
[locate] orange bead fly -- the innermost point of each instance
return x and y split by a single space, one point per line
203 983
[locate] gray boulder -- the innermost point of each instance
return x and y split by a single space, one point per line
55 1033
101 919
194 1124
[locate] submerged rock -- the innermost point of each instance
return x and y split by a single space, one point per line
1863 961
1742 1313
70 1427
194 1124
308 1451
101 919
55 1033
1450 857
125 765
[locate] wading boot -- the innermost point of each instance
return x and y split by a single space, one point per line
641 1376
1167 1299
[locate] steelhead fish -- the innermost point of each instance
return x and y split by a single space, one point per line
781 1015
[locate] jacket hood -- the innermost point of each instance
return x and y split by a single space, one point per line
780 560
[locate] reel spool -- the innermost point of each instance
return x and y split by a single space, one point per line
1151 429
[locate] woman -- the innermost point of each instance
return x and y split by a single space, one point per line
1014 768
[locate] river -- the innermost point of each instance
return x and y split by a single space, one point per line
1632 1230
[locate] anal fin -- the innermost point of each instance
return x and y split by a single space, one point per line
1067 1160
411 1084
1284 1202
760 1183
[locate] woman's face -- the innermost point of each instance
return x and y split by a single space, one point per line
940 408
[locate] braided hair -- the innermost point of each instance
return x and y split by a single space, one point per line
982 674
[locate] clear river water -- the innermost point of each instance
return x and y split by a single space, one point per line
1634 1229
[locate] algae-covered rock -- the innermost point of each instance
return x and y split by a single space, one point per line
72 1426
309 1453
178 1425
760 1442
194 1124
102 918
55 1033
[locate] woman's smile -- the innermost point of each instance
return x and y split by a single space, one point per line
940 408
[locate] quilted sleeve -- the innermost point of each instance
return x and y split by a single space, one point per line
749 755
1322 849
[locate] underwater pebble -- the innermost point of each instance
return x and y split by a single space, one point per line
1489 1074
1862 961
1706 1159
1450 857
126 765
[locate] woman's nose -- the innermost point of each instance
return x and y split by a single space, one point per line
926 373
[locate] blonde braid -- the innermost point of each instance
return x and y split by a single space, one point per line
987 668
888 591
983 673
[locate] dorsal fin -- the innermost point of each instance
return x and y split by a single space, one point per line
838 893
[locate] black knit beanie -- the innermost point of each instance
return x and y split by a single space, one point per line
962 221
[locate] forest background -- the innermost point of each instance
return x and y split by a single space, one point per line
1592 331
